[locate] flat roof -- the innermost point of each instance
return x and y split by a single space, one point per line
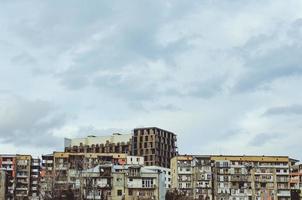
154 127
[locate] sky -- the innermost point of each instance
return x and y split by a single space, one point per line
224 75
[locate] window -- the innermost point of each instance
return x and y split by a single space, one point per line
147 183
119 192
130 192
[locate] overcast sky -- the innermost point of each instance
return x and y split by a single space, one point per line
224 75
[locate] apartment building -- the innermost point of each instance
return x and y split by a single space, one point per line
156 145
232 177
68 169
123 182
23 177
101 175
296 182
8 164
251 177
2 183
35 178
22 173
192 176
115 143
46 180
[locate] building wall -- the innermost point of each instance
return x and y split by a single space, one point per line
166 172
135 160
23 176
2 184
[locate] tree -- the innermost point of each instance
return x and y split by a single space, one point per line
176 195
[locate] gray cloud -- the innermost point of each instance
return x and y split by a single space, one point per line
29 123
265 61
83 131
264 138
284 110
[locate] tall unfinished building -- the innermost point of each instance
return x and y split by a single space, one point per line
156 145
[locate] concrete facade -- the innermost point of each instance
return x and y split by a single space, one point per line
2 183
115 143
232 177
166 173
104 175
192 176
22 181
251 177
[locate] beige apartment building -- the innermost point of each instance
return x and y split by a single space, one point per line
252 177
233 177
115 143
192 176
23 176
68 168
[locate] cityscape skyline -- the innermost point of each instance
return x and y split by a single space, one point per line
146 165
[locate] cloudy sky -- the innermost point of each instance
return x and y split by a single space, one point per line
225 75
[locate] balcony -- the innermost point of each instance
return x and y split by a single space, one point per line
22 181
22 175
36 164
91 196
8 168
61 167
61 181
283 194
35 176
34 188
7 162
22 188
240 178
184 171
